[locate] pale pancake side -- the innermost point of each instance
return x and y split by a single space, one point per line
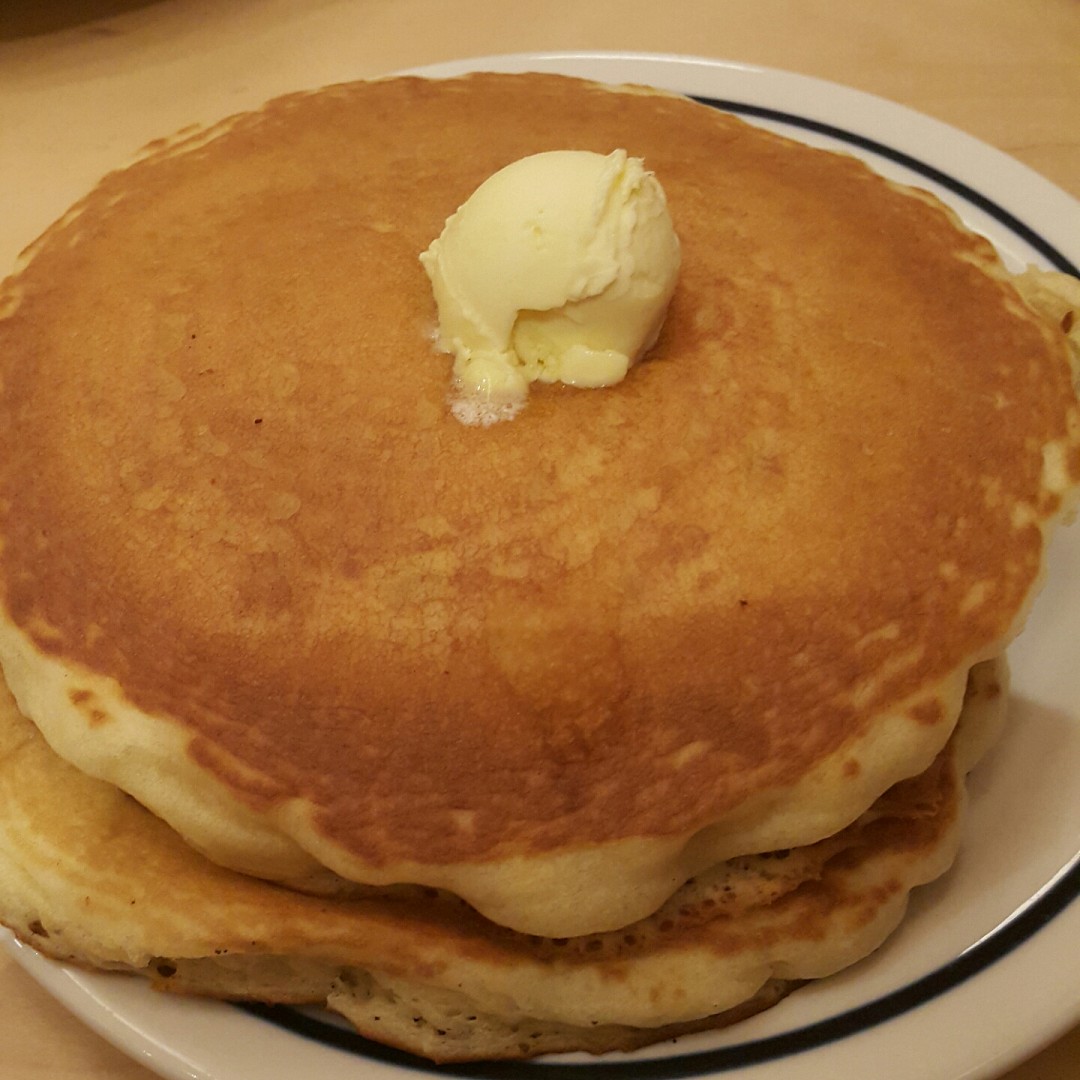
255 573
88 875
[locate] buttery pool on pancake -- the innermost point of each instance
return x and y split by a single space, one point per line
256 574
86 874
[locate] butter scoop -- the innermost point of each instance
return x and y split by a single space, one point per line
558 268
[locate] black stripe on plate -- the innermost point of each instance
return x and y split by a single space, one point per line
1052 900
957 187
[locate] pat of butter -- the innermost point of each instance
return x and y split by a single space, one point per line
559 268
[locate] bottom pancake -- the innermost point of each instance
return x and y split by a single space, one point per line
89 876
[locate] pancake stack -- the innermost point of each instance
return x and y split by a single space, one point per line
578 731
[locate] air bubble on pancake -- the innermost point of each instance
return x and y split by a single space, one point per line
171 330
993 491
976 596
1023 515
257 459
888 632
41 631
864 692
1055 472
688 753
150 499
282 505
437 526
206 440
10 300
284 380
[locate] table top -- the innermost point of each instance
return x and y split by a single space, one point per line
1006 71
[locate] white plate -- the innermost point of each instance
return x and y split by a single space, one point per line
985 969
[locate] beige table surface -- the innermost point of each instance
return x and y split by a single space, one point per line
101 77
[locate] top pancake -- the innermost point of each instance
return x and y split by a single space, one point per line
255 572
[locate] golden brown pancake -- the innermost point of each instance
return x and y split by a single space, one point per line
256 574
88 875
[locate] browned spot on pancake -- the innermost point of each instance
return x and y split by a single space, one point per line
86 702
852 768
927 712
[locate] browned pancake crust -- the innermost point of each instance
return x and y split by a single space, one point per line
229 478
